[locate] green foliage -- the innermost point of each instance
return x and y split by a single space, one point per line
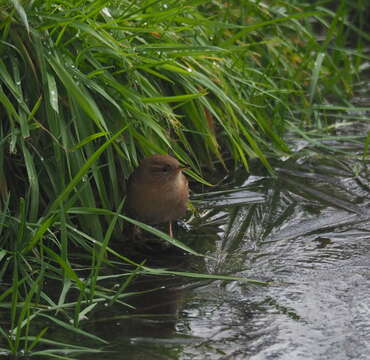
89 87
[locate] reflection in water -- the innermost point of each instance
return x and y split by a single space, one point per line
307 231
311 238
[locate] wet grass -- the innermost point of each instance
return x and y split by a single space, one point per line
88 88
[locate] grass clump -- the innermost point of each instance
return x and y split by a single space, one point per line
87 88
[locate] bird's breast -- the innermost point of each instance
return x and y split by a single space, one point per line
162 201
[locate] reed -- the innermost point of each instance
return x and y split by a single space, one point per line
87 88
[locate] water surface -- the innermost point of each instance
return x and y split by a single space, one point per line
305 231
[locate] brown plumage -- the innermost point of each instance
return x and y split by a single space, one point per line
157 191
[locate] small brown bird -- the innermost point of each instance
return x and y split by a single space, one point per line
157 191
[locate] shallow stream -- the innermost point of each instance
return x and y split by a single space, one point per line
305 231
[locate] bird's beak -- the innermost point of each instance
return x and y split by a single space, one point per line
183 167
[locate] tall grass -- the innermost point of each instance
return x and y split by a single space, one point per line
87 88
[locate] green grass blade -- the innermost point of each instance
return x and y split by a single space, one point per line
73 329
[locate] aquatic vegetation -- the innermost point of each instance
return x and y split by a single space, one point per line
87 88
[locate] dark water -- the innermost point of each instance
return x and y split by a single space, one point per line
306 231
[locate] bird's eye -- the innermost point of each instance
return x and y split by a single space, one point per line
161 168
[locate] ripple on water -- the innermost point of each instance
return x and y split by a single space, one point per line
318 306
